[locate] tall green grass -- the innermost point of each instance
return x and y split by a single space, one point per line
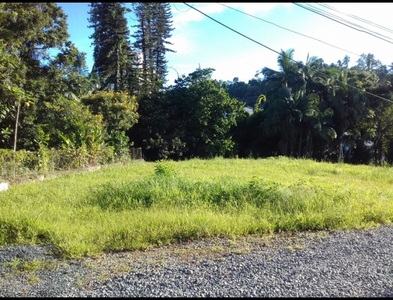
147 204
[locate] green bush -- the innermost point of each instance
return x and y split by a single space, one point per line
17 163
164 168
45 160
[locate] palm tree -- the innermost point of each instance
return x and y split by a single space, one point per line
296 109
349 106
287 107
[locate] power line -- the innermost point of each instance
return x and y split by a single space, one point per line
174 5
358 18
364 29
289 29
319 13
234 30
346 22
279 52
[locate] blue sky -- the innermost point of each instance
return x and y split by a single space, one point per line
202 42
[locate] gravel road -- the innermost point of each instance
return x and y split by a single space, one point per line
354 263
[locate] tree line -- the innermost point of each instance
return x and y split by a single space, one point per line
304 109
319 111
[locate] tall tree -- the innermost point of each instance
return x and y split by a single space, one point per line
193 118
68 72
349 103
114 61
28 31
294 110
151 39
367 63
284 106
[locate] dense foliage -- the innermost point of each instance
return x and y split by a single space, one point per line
190 119
319 111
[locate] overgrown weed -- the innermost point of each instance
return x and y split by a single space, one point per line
144 205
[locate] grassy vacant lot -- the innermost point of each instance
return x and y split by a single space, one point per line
145 204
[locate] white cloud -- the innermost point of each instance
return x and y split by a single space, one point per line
379 13
255 8
183 14
184 36
190 30
182 44
356 42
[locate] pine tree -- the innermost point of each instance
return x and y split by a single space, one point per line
151 39
162 32
114 61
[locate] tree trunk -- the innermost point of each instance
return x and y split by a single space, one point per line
300 144
341 152
17 105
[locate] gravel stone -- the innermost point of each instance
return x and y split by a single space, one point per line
352 263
